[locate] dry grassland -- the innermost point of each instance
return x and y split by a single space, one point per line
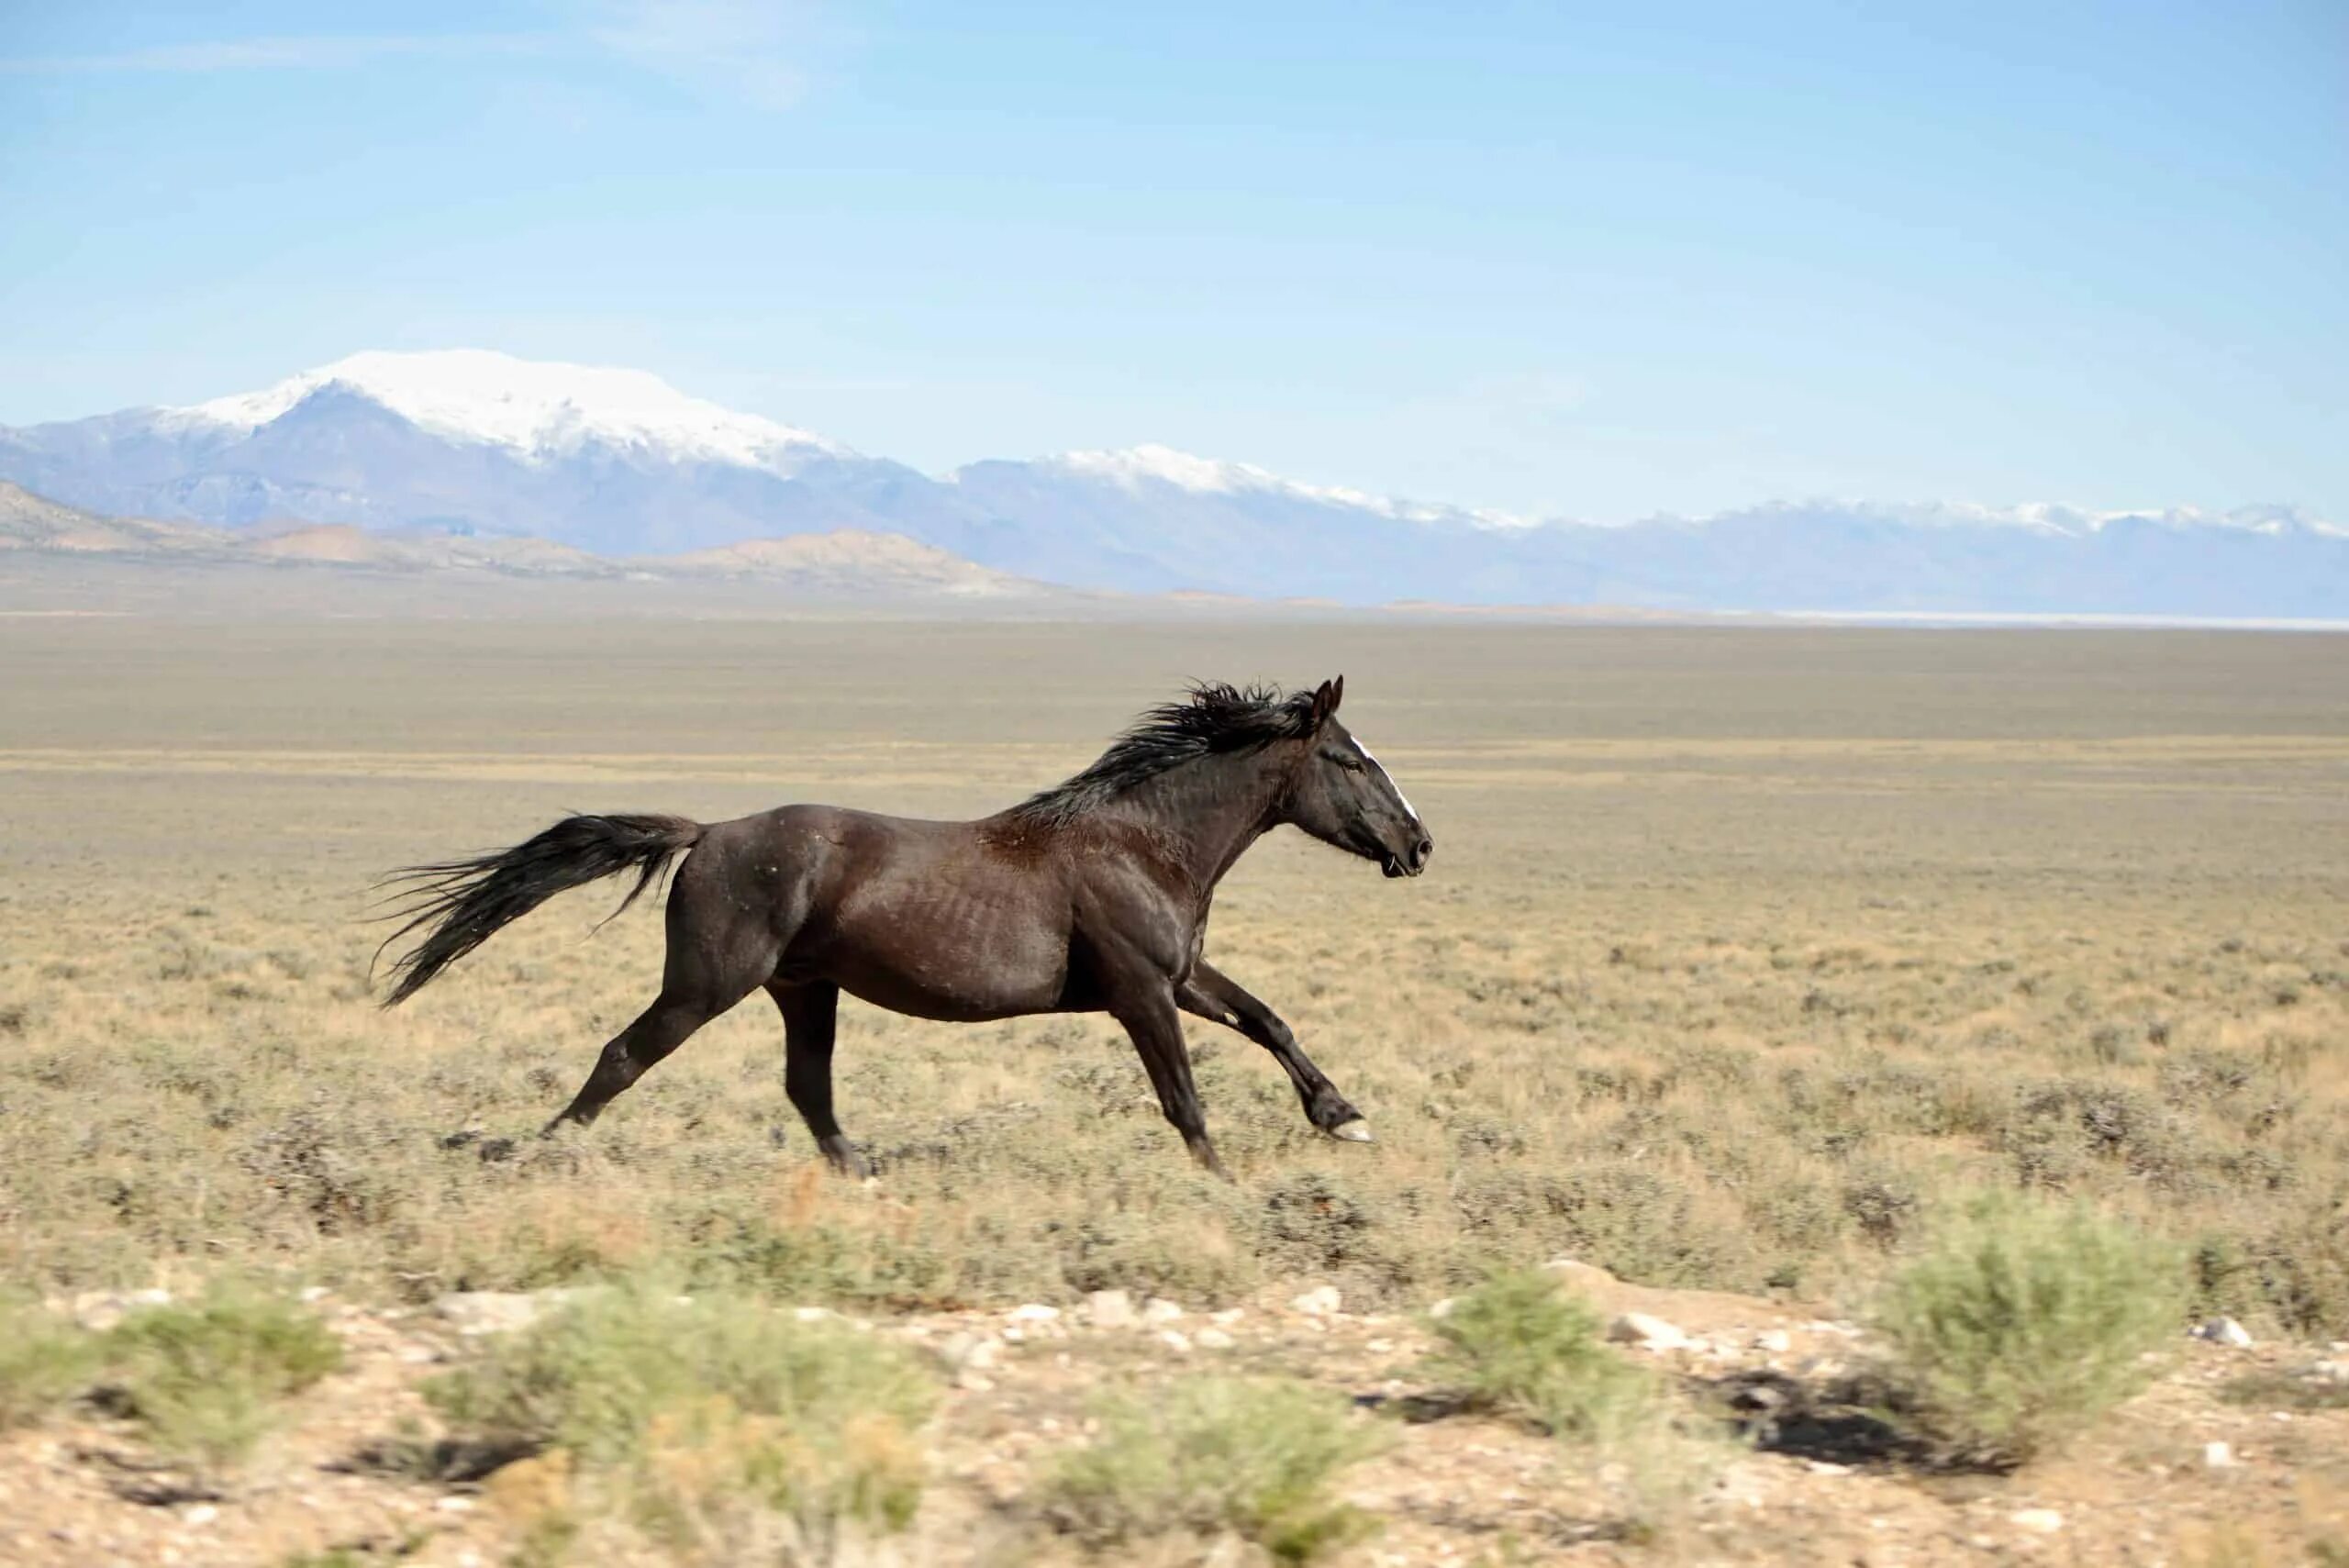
1741 953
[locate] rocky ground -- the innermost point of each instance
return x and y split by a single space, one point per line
2238 1455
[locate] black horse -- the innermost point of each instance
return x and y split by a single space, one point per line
1091 896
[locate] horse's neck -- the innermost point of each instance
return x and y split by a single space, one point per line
1212 810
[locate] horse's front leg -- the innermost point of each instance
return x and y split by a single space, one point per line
1146 1008
1213 994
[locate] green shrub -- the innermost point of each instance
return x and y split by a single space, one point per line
718 1428
2024 1322
1521 1345
207 1379
1211 1456
44 1361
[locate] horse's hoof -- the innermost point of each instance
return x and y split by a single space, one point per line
1355 1131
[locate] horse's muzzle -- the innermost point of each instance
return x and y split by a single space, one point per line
1412 861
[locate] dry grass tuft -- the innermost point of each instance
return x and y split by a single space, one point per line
207 1380
44 1361
714 1430
1519 1344
1211 1456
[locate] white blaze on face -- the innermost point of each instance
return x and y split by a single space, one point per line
1369 757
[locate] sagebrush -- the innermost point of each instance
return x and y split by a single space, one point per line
1207 1456
2024 1322
207 1379
718 1428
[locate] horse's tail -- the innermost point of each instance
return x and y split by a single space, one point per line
460 903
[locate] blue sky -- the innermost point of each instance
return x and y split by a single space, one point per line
1560 260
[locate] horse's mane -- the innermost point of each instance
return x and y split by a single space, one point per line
1216 717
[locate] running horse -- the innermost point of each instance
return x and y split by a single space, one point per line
1090 896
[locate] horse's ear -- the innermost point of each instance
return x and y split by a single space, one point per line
1325 701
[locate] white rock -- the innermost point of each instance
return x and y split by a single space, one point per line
1647 1332
1321 1301
1228 1317
984 1355
1033 1312
814 1314
973 1382
1213 1339
1773 1341
1110 1309
1442 1310
2218 1455
202 1514
2328 1372
1175 1339
2039 1521
2224 1331
473 1312
1158 1311
313 1294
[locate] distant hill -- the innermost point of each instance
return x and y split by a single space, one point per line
846 562
433 449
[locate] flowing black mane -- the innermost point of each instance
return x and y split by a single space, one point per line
1216 717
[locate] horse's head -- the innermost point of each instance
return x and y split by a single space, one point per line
1341 796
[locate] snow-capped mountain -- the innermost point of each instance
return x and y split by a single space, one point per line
616 462
619 462
540 412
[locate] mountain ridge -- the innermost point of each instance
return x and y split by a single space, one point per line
616 464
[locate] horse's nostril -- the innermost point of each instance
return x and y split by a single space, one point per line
1421 851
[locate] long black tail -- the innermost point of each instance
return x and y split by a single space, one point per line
460 903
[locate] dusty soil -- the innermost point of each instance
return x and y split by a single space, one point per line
1819 1481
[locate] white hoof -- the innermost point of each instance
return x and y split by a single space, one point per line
1355 1131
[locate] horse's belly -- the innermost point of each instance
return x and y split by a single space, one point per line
958 982
921 996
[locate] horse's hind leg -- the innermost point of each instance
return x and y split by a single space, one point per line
810 1014
632 1052
711 965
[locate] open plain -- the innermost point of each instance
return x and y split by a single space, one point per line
1744 955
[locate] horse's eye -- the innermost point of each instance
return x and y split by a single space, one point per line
1351 764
